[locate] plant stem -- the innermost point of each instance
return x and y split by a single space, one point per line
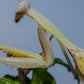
22 73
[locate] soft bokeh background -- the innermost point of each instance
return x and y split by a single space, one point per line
67 15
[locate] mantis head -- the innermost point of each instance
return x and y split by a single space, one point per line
21 10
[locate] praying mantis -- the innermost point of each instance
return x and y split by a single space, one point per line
26 59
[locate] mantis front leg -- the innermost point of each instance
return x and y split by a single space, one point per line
27 59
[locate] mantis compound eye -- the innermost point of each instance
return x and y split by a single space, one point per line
21 10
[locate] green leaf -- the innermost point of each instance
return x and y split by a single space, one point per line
61 62
44 76
36 80
8 80
27 80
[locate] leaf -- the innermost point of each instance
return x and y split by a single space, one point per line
61 62
8 80
27 80
43 75
36 81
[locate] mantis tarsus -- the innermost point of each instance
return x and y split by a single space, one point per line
25 59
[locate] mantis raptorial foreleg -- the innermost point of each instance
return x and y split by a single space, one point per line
30 60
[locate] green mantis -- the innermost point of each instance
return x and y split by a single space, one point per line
25 59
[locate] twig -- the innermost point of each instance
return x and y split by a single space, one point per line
22 73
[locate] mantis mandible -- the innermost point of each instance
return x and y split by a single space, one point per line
25 59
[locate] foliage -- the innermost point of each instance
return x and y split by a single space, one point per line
8 80
43 76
